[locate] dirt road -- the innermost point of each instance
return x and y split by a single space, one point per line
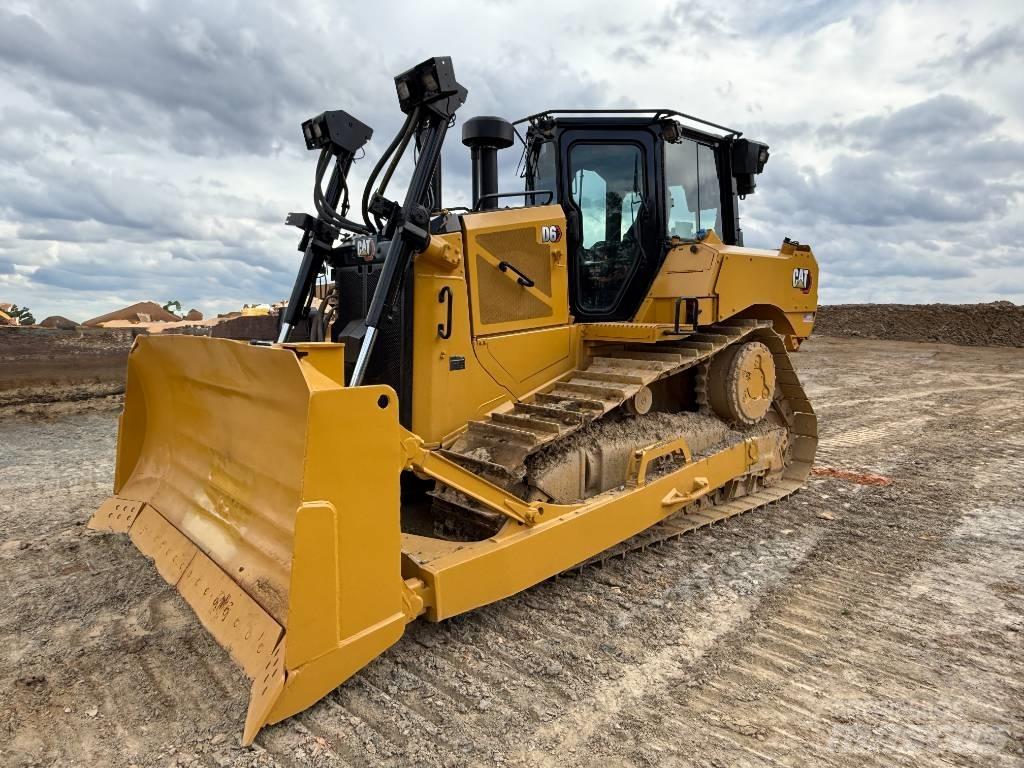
851 625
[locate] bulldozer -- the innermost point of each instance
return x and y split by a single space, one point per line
462 402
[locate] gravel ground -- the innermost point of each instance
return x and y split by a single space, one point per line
851 625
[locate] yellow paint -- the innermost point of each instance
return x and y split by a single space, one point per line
523 362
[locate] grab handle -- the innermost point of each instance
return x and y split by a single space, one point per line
444 330
522 279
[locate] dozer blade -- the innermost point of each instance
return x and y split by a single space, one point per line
267 493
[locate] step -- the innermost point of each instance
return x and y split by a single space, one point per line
627 363
677 348
703 346
714 338
672 358
612 377
726 330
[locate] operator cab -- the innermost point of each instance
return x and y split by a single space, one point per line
633 186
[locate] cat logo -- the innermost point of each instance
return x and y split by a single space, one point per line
550 233
802 279
366 248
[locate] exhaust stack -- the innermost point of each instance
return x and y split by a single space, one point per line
485 136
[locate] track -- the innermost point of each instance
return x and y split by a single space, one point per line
890 634
498 446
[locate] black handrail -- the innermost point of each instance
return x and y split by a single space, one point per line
496 195
692 312
655 114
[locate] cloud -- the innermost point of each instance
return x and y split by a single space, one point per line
997 47
151 150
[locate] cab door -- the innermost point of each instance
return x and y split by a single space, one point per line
608 182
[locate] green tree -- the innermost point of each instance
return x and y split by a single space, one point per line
22 314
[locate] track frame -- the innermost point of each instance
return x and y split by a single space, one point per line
540 540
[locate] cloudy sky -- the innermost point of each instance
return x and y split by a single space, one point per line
149 150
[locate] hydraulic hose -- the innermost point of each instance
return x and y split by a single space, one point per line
409 120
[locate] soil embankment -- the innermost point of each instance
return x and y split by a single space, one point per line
998 324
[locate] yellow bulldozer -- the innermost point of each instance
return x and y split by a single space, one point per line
464 402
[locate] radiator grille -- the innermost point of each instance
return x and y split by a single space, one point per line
391 361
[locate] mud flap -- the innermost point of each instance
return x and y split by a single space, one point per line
267 493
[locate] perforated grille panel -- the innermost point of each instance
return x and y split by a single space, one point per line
502 299
519 247
530 240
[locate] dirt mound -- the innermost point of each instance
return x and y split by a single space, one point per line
142 312
60 322
42 366
248 327
998 324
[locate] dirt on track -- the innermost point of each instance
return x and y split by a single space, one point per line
851 625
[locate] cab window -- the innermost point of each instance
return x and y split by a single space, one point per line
693 199
540 172
607 186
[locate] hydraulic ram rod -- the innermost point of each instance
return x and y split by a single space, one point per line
312 261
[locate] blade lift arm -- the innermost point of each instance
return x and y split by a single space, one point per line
432 89
338 136
429 96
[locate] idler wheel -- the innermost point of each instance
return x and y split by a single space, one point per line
741 383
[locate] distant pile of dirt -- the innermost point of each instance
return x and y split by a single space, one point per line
42 366
141 312
998 324
60 322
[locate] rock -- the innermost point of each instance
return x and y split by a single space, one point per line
194 314
218 738
92 712
826 516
